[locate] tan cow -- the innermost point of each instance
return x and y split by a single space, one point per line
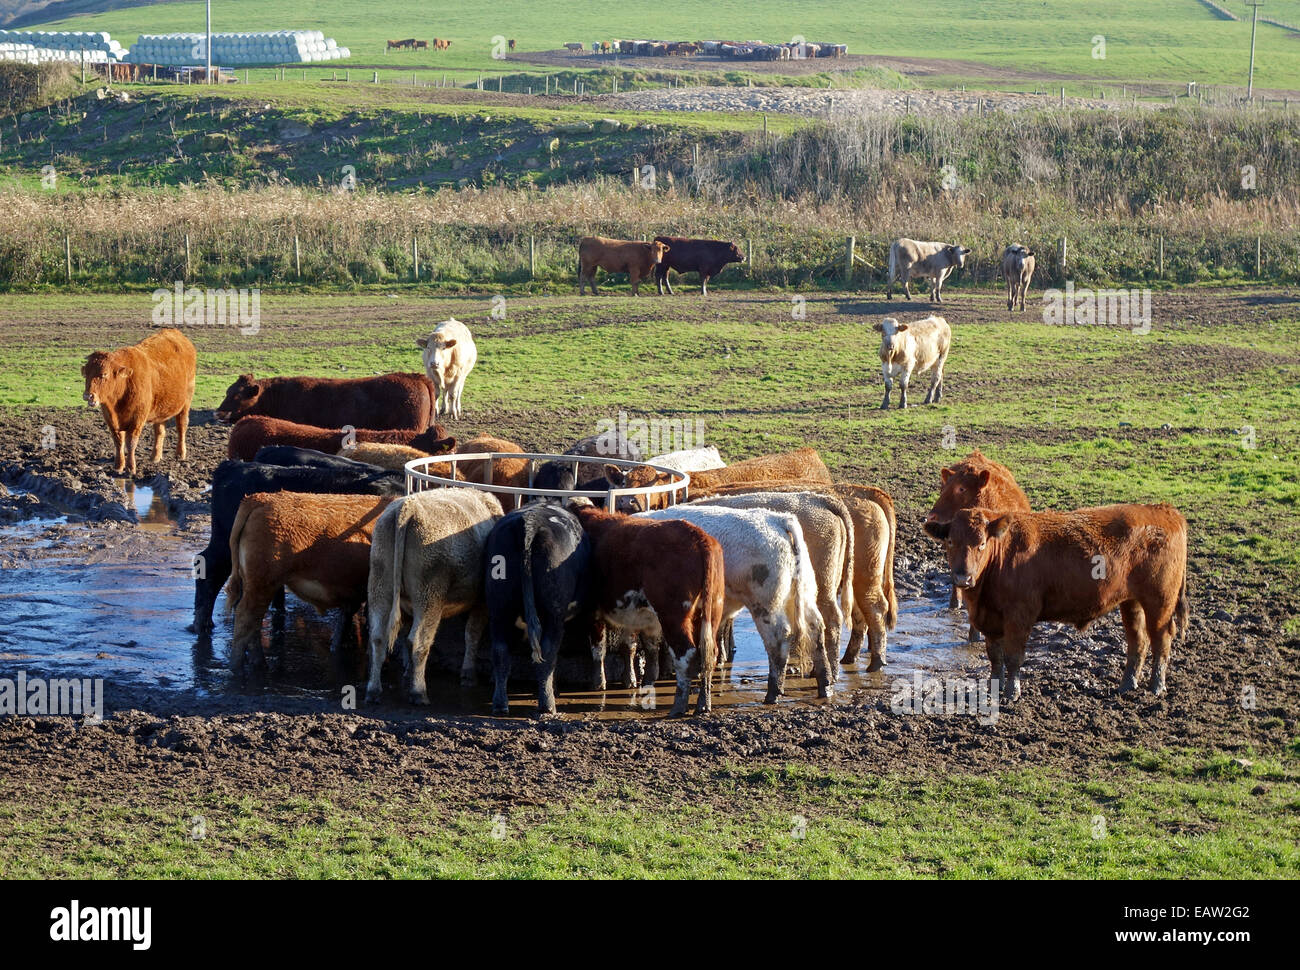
913 348
909 259
147 384
636 259
449 355
1018 271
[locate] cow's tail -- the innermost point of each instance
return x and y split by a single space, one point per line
235 585
531 621
807 620
850 554
714 579
1183 610
891 593
399 567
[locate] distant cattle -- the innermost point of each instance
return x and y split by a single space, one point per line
251 434
448 355
659 580
511 43
768 572
909 259
974 482
386 401
913 348
146 384
272 472
574 47
441 44
637 259
421 45
399 44
535 579
317 546
426 563
1018 271
708 257
1018 569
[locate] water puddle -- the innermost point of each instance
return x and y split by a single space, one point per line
77 600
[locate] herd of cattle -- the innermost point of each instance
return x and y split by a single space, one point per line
314 499
741 50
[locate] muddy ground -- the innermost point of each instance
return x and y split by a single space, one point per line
1069 717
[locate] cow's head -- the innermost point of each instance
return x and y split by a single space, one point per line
657 250
436 352
957 256
963 488
971 539
241 397
889 329
734 255
638 477
105 378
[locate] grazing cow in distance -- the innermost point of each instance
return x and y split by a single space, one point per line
511 43
277 469
909 259
637 259
426 562
255 432
974 482
913 348
1018 271
441 44
659 580
768 572
1017 569
574 47
535 579
318 546
449 355
147 384
708 257
385 401
420 45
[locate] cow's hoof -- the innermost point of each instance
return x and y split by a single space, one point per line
1158 687
771 697
1128 685
846 659
876 664
500 711
825 693
674 713
468 679
973 635
419 698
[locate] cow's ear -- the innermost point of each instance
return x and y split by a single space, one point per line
446 344
124 372
965 251
902 327
421 342
1000 526
983 478
944 474
246 377
615 476
939 530
878 327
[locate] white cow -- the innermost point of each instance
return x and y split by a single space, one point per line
449 355
913 348
426 562
768 572
691 460
1018 271
909 259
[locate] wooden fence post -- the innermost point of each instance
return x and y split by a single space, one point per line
187 257
532 258
415 259
297 257
67 256
749 255
1161 264
849 245
1258 255
1065 251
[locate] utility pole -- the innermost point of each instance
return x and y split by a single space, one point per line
207 73
1254 24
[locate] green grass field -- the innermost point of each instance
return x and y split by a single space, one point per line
1165 40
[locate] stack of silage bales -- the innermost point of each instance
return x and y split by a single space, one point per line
231 49
38 46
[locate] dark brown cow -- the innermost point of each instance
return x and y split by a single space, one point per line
974 482
256 431
318 546
636 259
395 401
421 45
511 42
708 257
658 579
1021 568
147 384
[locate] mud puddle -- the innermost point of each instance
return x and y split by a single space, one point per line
114 603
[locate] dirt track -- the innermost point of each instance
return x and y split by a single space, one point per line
1069 716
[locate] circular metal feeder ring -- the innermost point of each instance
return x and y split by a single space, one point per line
418 479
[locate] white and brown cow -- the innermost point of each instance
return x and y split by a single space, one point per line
910 259
913 348
449 355
1018 271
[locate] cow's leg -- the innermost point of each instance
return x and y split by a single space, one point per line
684 652
877 632
660 277
1135 634
635 279
907 283
651 647
903 379
476 624
424 627
726 638
888 375
248 626
628 647
552 636
119 449
857 632
936 384
704 285
832 627
132 439
378 623
598 634
1162 640
500 668
582 281
215 570
1013 655
953 599
182 425
997 664
775 631
159 436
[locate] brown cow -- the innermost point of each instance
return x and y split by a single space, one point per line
1021 568
421 45
149 383
658 579
318 546
511 43
505 471
384 401
257 431
636 259
974 482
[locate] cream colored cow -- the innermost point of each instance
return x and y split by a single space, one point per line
913 348
449 355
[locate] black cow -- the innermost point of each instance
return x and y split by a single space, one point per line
235 479
535 572
708 257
